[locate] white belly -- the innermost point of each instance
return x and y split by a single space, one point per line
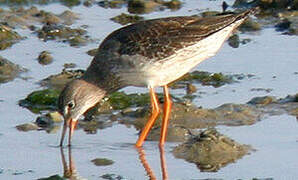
163 72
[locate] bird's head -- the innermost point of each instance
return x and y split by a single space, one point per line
77 97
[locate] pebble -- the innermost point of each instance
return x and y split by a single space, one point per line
27 127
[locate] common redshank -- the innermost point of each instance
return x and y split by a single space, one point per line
148 54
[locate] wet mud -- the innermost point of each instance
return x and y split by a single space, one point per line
195 128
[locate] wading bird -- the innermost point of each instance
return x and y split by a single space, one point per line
148 54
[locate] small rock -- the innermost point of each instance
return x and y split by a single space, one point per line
141 6
50 18
69 65
289 99
9 70
265 100
294 112
87 3
71 3
45 58
234 41
77 41
267 90
68 17
112 3
8 37
124 19
92 52
190 88
174 134
283 25
27 127
112 177
211 150
250 25
58 81
75 37
49 119
102 162
293 29
44 121
173 4
54 177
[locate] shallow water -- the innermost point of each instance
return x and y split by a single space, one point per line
270 57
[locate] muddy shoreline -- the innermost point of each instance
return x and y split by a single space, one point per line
34 68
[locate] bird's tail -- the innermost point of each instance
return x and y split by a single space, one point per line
248 12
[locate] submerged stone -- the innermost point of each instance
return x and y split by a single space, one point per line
27 18
45 58
174 134
49 119
102 162
191 117
124 19
142 6
54 177
112 3
9 70
8 37
250 25
68 17
58 81
27 127
234 41
112 177
211 150
173 4
92 52
265 100
75 37
70 3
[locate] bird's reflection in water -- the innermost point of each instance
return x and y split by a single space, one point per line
147 167
69 170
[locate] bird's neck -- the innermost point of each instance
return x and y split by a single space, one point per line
102 79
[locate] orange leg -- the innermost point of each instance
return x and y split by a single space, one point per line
165 120
145 164
154 114
163 163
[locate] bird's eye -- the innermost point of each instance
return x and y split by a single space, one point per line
71 105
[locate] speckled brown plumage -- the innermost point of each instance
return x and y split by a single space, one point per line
160 38
150 41
149 53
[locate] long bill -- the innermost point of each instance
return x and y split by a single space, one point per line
63 132
72 125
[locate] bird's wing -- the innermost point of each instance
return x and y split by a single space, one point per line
159 38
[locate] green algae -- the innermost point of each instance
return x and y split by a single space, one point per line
41 100
120 100
207 78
